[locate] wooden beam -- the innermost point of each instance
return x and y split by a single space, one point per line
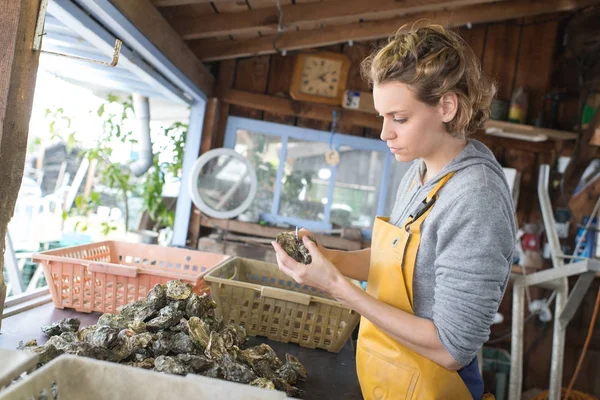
332 34
305 15
283 106
170 3
270 232
18 70
155 27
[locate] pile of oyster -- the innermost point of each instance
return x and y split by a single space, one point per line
173 331
294 247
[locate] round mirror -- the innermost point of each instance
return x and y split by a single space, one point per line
222 183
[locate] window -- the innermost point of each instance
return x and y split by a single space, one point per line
296 186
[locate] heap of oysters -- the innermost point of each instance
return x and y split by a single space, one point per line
173 331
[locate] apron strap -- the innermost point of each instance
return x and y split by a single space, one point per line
428 201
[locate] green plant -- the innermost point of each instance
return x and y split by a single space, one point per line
154 180
113 174
60 127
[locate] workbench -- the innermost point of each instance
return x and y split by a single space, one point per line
331 376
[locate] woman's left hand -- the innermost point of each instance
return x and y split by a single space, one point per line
320 273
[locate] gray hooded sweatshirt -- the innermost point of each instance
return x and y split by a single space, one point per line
465 254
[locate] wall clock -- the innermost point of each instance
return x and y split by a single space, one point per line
320 77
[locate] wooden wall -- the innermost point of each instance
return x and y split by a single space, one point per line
514 53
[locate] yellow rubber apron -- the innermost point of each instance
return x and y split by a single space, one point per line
387 369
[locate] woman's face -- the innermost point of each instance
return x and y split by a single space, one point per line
411 128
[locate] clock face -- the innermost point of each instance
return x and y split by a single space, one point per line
320 77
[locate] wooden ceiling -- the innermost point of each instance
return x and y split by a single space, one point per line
224 29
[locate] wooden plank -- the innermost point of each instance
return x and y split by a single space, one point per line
475 37
356 54
224 83
308 14
280 78
500 56
252 75
18 70
552 134
209 129
232 225
155 27
368 30
535 62
284 106
171 3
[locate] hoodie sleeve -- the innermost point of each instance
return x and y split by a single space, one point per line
473 257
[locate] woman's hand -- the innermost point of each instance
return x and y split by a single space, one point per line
320 273
325 252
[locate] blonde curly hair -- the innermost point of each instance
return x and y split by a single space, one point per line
434 61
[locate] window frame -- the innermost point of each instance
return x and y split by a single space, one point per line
285 132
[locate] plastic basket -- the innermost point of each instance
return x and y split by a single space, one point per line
107 275
75 378
14 363
268 303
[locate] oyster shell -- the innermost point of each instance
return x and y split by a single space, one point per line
295 248
178 290
64 325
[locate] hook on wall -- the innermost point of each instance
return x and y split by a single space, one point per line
39 34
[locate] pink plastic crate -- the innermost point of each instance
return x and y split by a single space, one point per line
107 275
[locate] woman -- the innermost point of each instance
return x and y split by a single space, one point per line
439 265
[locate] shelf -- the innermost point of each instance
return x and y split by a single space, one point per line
526 132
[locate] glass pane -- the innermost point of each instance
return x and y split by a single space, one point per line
397 171
263 153
356 192
305 182
224 183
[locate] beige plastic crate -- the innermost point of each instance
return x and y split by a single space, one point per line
268 303
13 363
107 275
76 378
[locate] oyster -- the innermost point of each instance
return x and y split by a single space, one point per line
233 335
138 326
292 371
117 321
178 290
137 311
199 306
122 347
157 297
290 390
170 365
46 353
294 247
262 352
30 343
85 334
234 371
196 363
199 332
182 326
216 348
168 316
263 383
64 325
182 344
146 363
214 372
163 344
103 336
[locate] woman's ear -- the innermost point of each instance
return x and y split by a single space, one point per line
448 106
